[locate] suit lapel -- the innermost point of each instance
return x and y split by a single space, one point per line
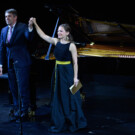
5 34
13 34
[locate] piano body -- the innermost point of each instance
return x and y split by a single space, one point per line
109 39
101 38
96 39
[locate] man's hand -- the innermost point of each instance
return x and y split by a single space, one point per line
1 70
30 24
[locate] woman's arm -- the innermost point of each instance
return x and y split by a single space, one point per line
43 35
75 62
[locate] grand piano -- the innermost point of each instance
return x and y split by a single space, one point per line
94 38
103 47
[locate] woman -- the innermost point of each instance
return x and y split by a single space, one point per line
66 109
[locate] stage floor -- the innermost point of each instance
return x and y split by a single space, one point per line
109 107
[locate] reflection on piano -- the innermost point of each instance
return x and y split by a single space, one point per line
101 38
111 39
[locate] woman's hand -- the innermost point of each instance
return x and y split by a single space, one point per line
76 81
32 19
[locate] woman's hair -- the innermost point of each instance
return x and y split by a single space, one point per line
67 28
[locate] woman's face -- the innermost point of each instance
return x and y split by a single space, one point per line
62 34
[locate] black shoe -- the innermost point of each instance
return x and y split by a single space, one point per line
16 113
53 129
12 116
23 118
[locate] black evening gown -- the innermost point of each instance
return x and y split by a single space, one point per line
66 111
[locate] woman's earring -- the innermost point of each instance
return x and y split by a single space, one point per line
67 38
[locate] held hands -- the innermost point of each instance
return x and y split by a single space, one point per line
76 81
33 20
30 24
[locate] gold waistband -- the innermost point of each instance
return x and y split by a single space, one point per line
63 62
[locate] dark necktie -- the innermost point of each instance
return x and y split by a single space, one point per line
9 34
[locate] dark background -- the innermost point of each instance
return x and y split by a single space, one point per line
113 11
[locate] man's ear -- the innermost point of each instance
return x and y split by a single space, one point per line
15 17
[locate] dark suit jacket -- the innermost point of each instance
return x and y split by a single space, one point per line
17 48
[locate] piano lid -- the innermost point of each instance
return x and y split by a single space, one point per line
108 32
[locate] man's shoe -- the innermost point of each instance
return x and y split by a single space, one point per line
24 114
16 113
12 117
23 118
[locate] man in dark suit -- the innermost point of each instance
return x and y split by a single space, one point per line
14 41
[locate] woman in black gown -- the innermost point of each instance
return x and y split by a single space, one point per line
66 112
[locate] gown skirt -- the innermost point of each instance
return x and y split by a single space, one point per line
66 108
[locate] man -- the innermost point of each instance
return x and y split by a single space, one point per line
13 44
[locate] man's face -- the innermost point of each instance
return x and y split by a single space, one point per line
10 19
